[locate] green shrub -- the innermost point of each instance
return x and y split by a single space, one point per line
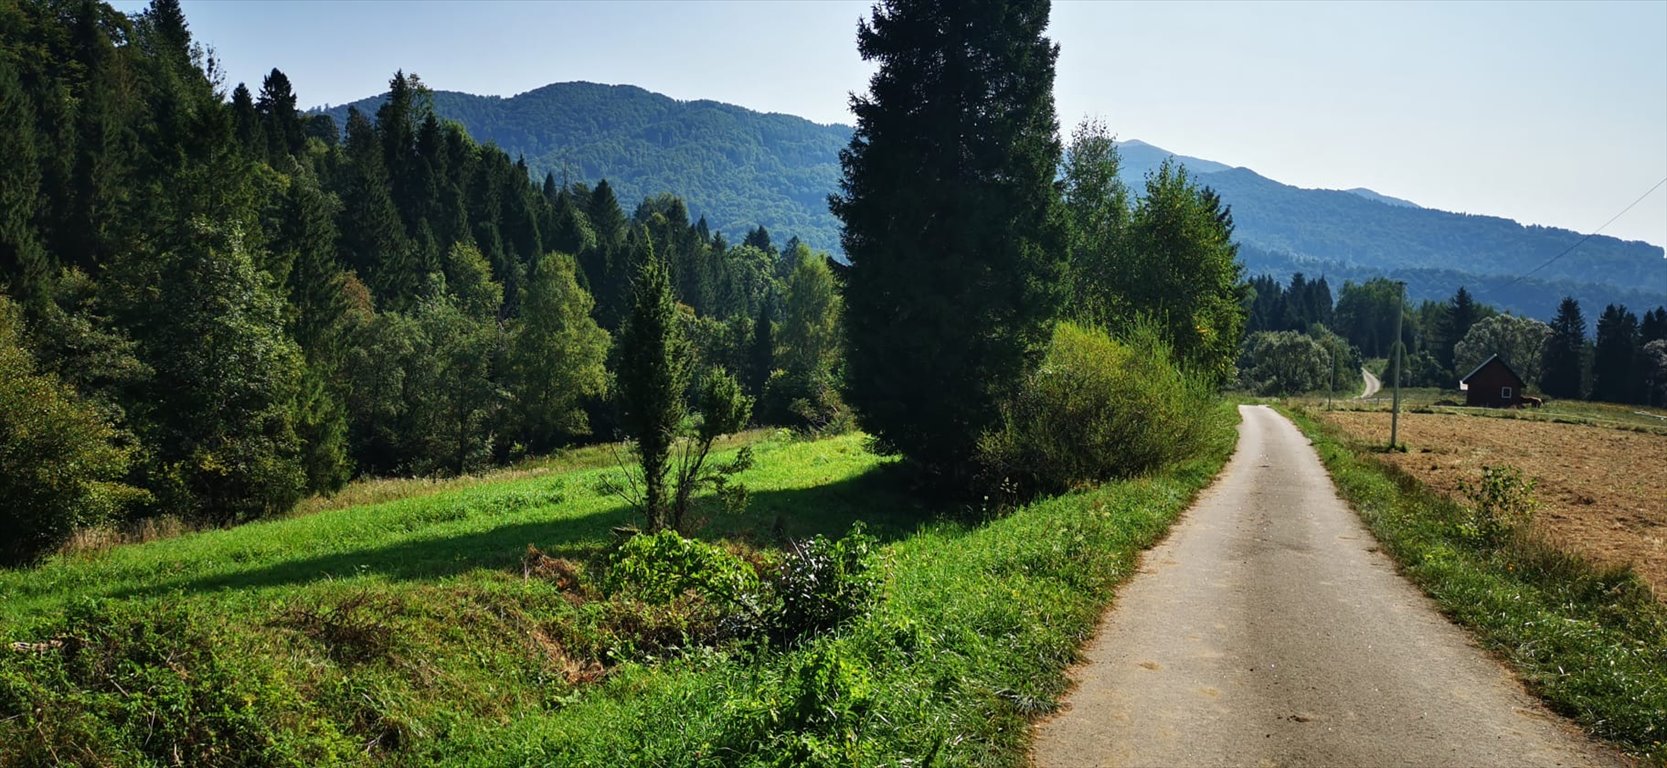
1502 502
1097 409
59 459
658 568
820 583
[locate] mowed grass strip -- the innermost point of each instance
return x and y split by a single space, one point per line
403 633
1591 641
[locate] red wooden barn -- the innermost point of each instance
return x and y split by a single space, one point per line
1492 385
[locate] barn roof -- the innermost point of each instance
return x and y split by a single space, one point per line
1485 363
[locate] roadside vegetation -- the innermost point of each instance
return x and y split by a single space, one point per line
1590 640
424 630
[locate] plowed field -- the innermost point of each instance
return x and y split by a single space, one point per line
1602 491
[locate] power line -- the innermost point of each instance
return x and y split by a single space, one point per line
1593 234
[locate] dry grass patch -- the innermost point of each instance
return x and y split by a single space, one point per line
1603 492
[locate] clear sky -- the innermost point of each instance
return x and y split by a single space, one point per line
1548 113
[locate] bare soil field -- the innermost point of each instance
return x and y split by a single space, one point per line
1602 491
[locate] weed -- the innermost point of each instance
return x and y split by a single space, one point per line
1502 503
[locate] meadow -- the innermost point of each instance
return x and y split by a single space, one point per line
416 628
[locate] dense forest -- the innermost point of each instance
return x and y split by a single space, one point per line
741 169
737 168
228 308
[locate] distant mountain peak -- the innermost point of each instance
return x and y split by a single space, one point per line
1385 199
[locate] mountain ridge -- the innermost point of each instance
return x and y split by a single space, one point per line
741 168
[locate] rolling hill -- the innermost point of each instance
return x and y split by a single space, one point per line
741 168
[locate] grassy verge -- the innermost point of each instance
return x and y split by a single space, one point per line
1590 641
405 632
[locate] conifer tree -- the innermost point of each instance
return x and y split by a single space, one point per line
1653 327
1462 313
373 240
951 222
762 360
1614 373
281 123
1563 361
653 375
23 262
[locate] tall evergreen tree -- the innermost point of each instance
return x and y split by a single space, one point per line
1614 372
953 228
1653 327
23 262
1563 361
1462 313
653 375
762 360
281 123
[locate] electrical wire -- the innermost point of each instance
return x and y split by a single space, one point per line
1593 233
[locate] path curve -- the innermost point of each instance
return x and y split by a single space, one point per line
1372 385
1268 630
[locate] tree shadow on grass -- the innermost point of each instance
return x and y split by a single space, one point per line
879 498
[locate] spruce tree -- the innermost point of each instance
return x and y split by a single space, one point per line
1614 377
281 121
1563 361
763 354
1462 313
952 225
1653 327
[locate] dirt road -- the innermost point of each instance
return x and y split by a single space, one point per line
1372 385
1269 631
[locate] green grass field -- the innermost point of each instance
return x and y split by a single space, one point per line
403 632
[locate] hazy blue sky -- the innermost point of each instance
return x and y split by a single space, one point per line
1547 113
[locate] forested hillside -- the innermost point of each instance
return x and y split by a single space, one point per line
1358 235
740 168
737 168
212 307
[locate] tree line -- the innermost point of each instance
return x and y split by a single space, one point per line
215 304
1625 361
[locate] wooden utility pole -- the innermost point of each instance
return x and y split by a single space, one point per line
1395 350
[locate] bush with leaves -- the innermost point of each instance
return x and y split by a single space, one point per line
1284 363
1502 503
821 582
60 462
660 567
1097 409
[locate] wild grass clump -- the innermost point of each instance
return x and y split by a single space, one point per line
1098 408
1590 639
